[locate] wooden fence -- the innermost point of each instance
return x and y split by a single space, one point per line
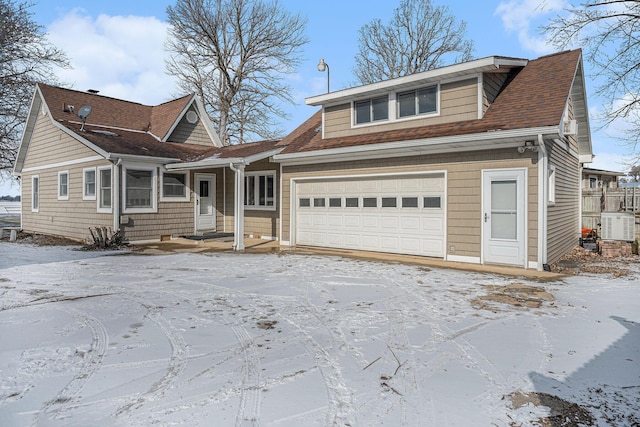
597 200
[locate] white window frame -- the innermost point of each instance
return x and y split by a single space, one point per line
154 188
187 188
99 208
417 106
551 175
35 195
60 195
86 196
257 190
371 119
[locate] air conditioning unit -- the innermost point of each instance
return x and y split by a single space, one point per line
618 226
570 127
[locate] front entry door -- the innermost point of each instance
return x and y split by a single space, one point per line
205 201
504 220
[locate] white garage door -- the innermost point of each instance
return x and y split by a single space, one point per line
396 214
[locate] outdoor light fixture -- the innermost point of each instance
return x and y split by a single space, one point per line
321 67
528 145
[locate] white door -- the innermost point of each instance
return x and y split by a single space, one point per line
396 214
504 218
205 187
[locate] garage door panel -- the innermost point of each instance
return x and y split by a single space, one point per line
412 229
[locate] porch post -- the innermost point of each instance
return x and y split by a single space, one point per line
238 208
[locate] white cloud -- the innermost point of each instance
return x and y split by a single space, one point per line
523 16
122 56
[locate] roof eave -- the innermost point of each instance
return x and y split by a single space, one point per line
447 144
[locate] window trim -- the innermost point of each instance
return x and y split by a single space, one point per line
86 196
35 201
154 188
187 188
99 190
61 196
256 190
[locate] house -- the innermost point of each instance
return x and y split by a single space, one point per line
476 162
600 179
87 160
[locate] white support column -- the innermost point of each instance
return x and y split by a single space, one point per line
238 208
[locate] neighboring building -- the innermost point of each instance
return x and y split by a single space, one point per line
599 179
476 162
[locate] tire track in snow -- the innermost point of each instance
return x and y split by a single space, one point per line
250 394
94 357
176 365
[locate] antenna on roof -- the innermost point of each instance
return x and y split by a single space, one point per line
83 113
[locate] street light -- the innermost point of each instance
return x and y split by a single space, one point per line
321 67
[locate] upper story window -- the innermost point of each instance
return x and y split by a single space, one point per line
416 102
371 110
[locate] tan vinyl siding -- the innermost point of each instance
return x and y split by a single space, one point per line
563 222
458 101
190 133
464 180
491 85
172 219
50 145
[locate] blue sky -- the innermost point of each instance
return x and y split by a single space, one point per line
116 47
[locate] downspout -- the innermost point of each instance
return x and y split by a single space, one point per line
238 205
543 197
116 195
224 200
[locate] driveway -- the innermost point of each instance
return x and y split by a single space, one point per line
232 339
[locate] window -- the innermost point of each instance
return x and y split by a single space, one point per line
104 184
593 181
259 190
416 102
389 202
305 203
432 202
35 193
63 185
369 202
89 184
372 110
551 173
409 202
140 189
319 202
174 186
335 202
351 202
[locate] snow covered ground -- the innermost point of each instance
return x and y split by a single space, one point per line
225 339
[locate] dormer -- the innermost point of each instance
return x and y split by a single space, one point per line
449 94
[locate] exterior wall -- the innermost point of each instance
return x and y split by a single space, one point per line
492 84
190 133
68 218
562 217
464 181
458 101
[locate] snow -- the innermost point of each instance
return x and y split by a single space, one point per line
228 339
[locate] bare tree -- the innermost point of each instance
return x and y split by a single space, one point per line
609 33
25 58
234 55
419 37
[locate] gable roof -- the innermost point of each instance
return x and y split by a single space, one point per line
534 100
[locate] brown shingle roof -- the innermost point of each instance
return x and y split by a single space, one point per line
535 97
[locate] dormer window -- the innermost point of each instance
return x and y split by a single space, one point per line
371 110
416 102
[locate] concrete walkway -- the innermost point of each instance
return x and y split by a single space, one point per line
183 245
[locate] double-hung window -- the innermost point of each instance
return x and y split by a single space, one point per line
63 185
175 186
104 189
35 193
259 190
140 189
89 184
371 110
417 102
